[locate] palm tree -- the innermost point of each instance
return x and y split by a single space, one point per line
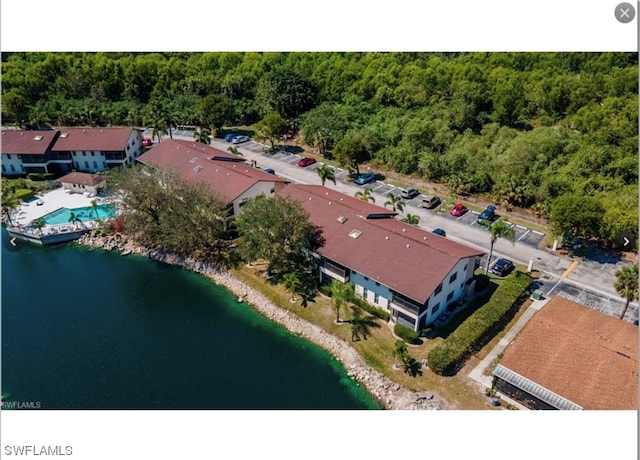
412 219
74 219
158 130
292 284
39 223
202 135
395 202
233 150
498 229
94 205
341 293
326 172
399 351
9 203
365 195
627 285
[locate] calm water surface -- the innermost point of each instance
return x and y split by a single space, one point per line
89 329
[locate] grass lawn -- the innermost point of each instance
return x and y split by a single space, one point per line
377 350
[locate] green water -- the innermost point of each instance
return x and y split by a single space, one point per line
89 329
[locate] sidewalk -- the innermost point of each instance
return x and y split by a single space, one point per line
477 373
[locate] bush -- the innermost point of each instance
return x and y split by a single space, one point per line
479 325
482 281
24 194
325 289
35 176
405 333
375 311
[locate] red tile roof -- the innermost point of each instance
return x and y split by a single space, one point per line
99 139
400 256
80 178
24 142
580 354
225 173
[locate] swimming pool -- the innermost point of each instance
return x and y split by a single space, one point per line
63 215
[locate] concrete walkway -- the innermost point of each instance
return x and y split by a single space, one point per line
477 373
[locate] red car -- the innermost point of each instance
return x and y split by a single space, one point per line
458 210
304 162
147 142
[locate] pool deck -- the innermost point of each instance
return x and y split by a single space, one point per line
26 213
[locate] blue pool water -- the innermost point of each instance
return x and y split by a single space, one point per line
62 215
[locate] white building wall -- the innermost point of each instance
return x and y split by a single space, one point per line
463 270
9 160
266 188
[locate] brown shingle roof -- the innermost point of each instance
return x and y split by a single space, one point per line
226 175
99 139
412 262
580 354
80 178
25 142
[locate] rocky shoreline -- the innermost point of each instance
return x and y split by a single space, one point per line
390 394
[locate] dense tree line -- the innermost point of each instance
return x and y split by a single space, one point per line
523 129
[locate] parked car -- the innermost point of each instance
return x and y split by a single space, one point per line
488 214
270 171
439 231
501 267
240 139
365 178
230 137
430 202
458 210
409 193
304 162
147 142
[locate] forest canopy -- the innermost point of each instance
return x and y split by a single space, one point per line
523 128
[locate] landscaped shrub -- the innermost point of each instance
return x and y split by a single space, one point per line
24 194
482 281
375 311
325 289
48 176
35 176
406 334
470 333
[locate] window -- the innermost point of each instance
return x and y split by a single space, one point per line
104 165
461 285
465 268
377 284
438 289
92 154
436 307
4 169
13 169
8 156
453 277
273 190
450 296
366 278
95 165
84 154
365 293
86 164
376 298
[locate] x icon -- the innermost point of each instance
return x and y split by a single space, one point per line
624 13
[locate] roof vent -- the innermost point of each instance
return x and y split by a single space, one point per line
355 234
340 199
228 174
326 193
386 237
330 203
342 219
424 237
64 134
310 198
37 138
408 245
193 160
404 229
198 168
84 130
217 170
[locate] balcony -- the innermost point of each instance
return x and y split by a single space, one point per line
405 305
335 271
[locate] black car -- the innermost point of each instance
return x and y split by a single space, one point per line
488 214
501 267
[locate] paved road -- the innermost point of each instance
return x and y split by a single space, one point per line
595 279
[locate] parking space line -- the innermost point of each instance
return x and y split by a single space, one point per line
537 232
524 234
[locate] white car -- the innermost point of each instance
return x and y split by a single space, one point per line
240 139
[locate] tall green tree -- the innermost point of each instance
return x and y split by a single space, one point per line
578 215
285 91
326 172
292 284
278 231
352 151
214 111
627 285
74 219
395 202
323 126
9 203
95 207
341 294
498 229
365 195
272 127
39 224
